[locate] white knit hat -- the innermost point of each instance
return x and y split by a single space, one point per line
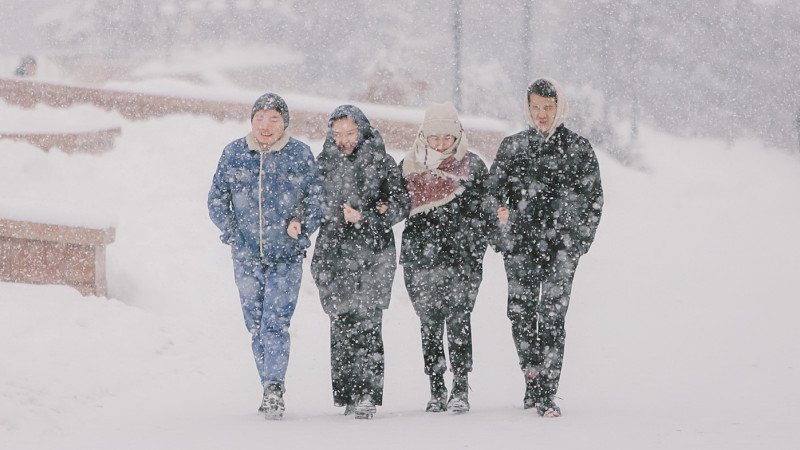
441 119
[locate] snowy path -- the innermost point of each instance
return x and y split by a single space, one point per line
681 332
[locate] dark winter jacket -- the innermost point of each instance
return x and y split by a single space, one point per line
364 180
256 194
553 190
453 234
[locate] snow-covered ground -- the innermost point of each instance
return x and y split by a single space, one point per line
682 331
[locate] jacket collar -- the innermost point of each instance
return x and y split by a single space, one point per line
256 146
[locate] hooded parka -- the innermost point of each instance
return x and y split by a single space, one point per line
354 263
364 180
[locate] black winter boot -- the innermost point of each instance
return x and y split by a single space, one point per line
438 401
531 392
546 407
459 397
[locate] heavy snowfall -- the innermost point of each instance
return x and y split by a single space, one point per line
681 331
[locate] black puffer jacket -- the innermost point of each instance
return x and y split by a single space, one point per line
553 190
364 180
453 234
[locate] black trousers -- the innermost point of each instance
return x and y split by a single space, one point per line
444 297
538 298
357 364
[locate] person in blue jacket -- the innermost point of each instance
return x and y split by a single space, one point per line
267 199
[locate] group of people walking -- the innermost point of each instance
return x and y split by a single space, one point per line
539 206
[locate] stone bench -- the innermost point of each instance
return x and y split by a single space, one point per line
40 253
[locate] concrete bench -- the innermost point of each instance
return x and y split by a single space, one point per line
40 253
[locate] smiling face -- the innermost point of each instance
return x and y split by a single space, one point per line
543 111
345 134
268 126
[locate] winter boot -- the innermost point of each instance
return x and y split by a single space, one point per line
530 392
365 408
438 401
272 405
459 400
548 408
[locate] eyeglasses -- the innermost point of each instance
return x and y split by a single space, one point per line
446 139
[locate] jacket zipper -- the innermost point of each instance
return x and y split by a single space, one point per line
260 208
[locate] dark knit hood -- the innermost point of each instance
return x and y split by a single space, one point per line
367 134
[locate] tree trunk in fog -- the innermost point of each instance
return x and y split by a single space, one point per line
526 41
457 26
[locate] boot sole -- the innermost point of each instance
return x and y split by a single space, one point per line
273 415
458 406
365 413
273 410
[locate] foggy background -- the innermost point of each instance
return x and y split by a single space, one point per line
726 68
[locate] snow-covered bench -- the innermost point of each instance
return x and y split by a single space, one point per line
94 141
398 125
41 253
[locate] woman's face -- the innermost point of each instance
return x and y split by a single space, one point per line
441 143
345 134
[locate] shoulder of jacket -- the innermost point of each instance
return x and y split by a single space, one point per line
236 144
475 159
572 138
296 145
516 137
386 159
511 145
234 148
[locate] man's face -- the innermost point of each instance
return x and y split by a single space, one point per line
268 126
543 111
345 134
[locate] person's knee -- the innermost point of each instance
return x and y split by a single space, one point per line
276 323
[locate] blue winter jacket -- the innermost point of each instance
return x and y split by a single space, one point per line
255 195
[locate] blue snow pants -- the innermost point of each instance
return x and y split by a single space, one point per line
269 295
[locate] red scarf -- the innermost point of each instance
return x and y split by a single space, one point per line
437 187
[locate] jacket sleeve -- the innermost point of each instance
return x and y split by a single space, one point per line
310 205
498 185
590 194
393 194
220 202
480 218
